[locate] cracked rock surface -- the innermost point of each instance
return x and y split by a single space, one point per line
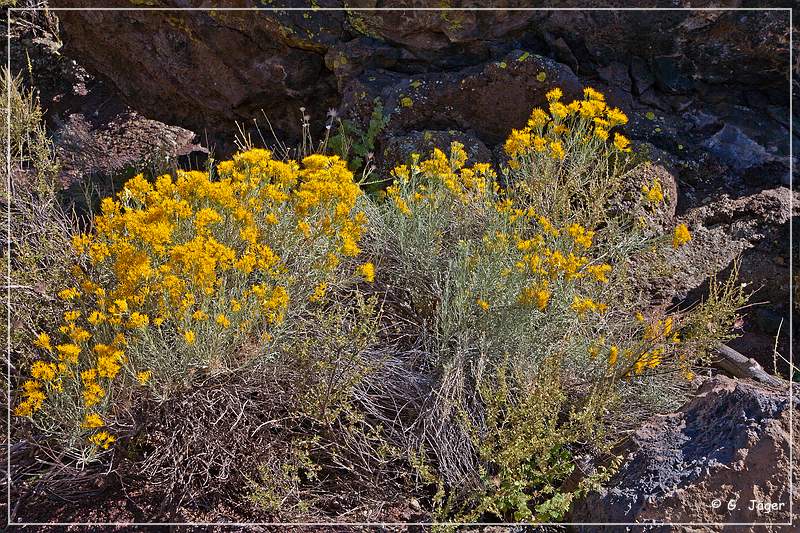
729 444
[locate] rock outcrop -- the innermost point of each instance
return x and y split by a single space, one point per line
95 135
724 457
205 70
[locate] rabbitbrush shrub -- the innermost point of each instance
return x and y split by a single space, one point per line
177 275
506 329
531 310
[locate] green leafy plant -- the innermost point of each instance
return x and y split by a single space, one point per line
355 144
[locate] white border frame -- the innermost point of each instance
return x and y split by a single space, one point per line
10 10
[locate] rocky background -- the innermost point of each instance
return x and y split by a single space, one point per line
707 93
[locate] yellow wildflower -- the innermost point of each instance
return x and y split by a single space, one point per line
304 227
557 150
583 305
138 320
542 297
350 248
517 143
580 235
367 271
681 236
96 318
558 110
592 94
223 321
92 393
600 272
613 354
654 193
538 296
554 95
121 306
43 341
206 217
91 421
77 334
68 352
43 371
319 292
103 439
538 118
622 143
616 117
69 294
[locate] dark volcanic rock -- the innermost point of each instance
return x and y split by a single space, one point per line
729 444
94 133
736 149
206 69
489 100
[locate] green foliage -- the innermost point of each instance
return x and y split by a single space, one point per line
278 486
356 145
330 354
40 225
525 443
31 149
712 321
531 313
328 362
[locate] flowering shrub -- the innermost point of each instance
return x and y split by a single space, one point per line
180 273
569 160
532 276
506 328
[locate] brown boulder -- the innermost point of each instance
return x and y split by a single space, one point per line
205 70
487 100
724 457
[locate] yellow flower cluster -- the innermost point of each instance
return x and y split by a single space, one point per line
367 271
659 339
548 255
196 255
464 183
681 235
550 265
654 193
542 255
546 131
586 305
